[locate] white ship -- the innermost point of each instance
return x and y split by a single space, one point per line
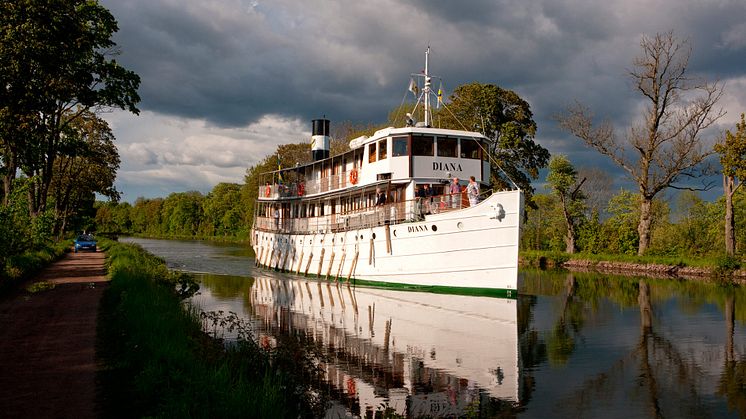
328 218
420 354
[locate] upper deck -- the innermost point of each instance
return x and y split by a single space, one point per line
423 154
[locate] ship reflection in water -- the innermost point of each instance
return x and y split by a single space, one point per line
410 353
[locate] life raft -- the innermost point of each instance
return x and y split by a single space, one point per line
353 176
301 189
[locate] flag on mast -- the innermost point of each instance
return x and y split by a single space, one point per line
440 95
412 86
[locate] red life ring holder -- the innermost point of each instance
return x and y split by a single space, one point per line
267 191
353 176
301 189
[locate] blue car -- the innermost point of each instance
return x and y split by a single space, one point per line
85 242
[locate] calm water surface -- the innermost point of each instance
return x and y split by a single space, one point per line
571 345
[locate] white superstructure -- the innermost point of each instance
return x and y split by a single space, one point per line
326 218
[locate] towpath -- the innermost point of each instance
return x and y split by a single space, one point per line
48 340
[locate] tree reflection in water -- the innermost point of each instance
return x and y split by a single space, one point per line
661 370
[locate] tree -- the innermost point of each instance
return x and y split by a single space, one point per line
55 65
665 146
563 179
506 119
87 165
732 152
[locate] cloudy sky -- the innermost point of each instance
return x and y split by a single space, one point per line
226 81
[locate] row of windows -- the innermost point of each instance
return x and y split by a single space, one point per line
425 146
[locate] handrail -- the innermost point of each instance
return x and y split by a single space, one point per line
393 213
310 187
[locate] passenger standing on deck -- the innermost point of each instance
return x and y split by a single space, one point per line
277 218
380 197
428 199
472 191
455 193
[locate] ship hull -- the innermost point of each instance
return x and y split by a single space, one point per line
470 250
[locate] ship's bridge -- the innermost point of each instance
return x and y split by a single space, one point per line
426 154
397 155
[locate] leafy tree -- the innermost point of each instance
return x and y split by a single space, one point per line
620 227
732 152
563 179
223 212
544 227
506 119
55 64
146 216
181 214
87 165
666 142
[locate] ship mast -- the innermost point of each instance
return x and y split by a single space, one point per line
426 90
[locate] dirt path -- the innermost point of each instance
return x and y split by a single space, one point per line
47 342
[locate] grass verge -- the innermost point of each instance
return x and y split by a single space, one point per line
18 268
158 362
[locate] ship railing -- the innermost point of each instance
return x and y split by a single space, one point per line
394 213
310 187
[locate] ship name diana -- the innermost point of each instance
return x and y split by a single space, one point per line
454 167
415 229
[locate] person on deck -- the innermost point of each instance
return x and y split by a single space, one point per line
428 199
455 191
380 197
472 191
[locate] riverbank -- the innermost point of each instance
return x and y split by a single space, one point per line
722 270
158 361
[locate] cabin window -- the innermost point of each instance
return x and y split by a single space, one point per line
382 155
447 147
400 147
422 146
371 153
485 155
470 149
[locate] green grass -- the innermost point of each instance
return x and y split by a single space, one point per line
158 362
18 268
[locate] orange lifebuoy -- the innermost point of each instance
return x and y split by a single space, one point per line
267 191
301 189
353 176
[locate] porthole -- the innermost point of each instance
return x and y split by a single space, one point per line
435 228
374 236
394 233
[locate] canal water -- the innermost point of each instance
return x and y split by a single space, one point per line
580 345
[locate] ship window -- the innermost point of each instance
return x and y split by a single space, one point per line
422 146
371 153
400 147
382 150
447 147
470 149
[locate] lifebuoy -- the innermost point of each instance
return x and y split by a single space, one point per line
267 191
301 189
353 176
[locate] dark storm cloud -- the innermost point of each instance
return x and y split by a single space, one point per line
231 63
